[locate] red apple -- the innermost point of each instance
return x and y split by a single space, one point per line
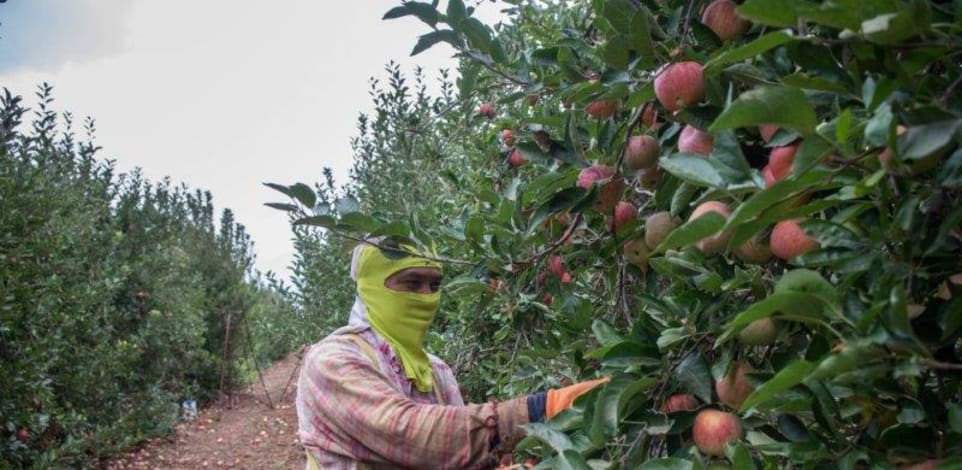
657 227
594 174
755 250
733 388
679 402
713 429
601 109
781 161
624 212
641 152
767 131
679 85
611 188
721 17
557 265
636 252
507 136
516 159
714 244
23 435
769 176
486 110
694 140
789 240
760 332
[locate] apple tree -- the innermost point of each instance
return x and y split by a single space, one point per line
748 214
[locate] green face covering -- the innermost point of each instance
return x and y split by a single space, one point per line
402 318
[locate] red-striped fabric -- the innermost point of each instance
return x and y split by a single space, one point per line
356 414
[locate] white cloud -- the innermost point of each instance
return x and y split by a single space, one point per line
226 94
44 35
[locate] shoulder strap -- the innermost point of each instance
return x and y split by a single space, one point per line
371 354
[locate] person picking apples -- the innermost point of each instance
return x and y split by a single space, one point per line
368 394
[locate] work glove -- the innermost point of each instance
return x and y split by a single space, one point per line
546 405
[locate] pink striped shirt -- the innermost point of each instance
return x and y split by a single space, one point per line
356 414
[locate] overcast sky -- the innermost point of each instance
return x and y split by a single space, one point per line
218 94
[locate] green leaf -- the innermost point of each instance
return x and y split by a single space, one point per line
784 210
728 152
785 107
611 402
359 222
571 460
878 128
692 231
892 28
920 142
304 194
324 221
788 377
800 80
456 13
396 12
758 46
478 35
426 12
954 417
280 188
434 37
282 206
605 334
740 457
953 319
950 176
695 377
767 198
562 201
951 221
670 463
769 12
693 168
852 356
830 234
809 282
557 440
796 306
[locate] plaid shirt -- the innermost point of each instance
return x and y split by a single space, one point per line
356 414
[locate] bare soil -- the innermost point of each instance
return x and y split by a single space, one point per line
247 435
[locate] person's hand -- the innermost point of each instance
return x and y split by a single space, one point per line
560 399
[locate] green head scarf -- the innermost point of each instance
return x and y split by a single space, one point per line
402 318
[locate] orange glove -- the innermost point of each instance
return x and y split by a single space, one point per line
560 399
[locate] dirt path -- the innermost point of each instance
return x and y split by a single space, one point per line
249 435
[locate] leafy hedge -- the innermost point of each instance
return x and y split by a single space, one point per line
114 294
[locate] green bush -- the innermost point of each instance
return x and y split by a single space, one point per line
114 294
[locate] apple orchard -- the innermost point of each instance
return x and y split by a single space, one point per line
748 214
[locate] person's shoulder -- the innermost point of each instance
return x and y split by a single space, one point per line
438 364
332 347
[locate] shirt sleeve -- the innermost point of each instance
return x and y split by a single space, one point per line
384 426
